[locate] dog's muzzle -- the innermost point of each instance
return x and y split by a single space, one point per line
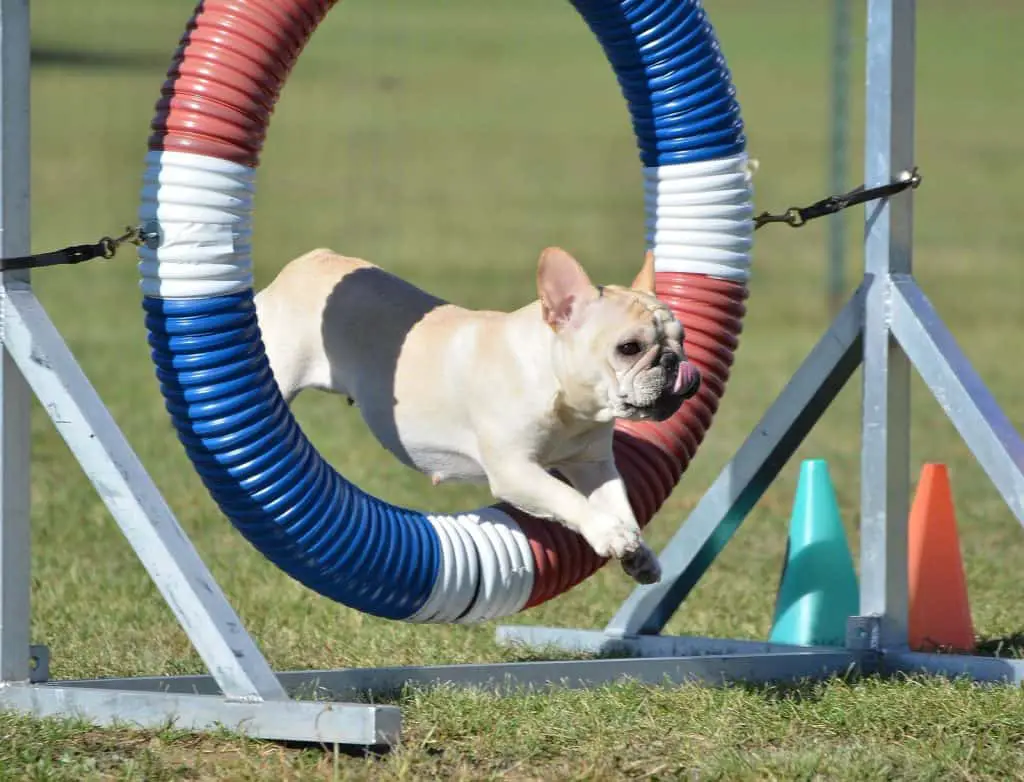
687 380
686 377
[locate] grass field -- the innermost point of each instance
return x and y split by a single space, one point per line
450 142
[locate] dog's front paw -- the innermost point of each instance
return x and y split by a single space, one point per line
642 565
610 536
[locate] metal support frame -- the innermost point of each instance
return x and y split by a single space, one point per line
886 325
15 397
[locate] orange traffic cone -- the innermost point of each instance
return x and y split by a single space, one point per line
940 615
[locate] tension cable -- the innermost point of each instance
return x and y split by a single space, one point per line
77 253
797 217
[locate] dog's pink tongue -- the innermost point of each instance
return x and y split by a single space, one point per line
686 377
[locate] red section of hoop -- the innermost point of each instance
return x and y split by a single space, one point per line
227 73
653 456
221 89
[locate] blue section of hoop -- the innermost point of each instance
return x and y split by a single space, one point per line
673 75
267 477
237 429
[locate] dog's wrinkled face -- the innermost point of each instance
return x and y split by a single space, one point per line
619 351
645 356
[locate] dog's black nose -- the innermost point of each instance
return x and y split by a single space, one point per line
670 362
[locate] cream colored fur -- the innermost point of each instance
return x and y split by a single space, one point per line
470 395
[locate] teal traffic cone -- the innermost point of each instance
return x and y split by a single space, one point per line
818 589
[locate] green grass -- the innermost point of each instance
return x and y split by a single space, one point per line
450 142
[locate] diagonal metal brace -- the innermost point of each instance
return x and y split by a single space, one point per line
959 390
756 464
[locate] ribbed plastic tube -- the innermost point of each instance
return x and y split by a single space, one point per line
197 284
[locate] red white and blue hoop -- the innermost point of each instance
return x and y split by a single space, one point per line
197 281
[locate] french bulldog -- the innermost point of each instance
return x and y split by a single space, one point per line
506 398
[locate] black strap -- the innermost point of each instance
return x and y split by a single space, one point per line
797 217
76 253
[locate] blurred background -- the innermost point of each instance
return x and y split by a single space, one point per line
450 142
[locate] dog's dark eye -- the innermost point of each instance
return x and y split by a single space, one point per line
630 348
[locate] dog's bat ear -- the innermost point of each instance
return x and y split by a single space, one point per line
644 281
562 286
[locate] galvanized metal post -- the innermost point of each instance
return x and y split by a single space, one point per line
885 450
15 397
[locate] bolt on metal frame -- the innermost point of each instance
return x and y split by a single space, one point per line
888 324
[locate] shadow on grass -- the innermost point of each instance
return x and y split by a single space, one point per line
44 56
1010 646
373 752
803 691
1007 647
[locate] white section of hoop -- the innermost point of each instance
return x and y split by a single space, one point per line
201 208
457 576
699 217
486 569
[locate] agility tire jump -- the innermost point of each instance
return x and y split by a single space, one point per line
197 283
